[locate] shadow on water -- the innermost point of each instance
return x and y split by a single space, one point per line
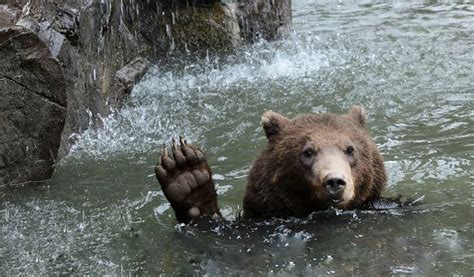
409 64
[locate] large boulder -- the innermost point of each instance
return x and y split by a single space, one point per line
92 43
32 107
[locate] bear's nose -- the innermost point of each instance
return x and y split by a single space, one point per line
334 185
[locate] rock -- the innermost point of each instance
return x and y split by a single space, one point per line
100 46
33 107
205 26
29 23
125 79
128 75
95 40
8 16
14 3
104 45
264 19
180 30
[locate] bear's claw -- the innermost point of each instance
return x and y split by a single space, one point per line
185 178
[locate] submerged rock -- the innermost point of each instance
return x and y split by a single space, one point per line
32 105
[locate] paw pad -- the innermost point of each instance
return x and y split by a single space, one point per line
185 179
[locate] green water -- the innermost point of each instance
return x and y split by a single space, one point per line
410 64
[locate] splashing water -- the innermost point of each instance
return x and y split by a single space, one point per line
169 104
408 63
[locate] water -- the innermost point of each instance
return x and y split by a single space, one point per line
410 65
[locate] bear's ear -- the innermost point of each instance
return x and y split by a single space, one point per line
358 114
273 123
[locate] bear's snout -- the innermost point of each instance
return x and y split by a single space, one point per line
335 180
335 185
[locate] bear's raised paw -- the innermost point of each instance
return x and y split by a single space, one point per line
186 180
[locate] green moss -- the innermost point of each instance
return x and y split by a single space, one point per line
201 28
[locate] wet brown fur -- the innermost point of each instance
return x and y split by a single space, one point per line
277 182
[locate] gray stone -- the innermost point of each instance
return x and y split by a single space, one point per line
8 15
132 72
182 30
264 19
14 3
125 79
32 107
51 37
29 23
205 27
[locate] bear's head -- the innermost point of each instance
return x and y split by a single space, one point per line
328 156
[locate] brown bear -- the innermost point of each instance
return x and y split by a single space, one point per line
311 163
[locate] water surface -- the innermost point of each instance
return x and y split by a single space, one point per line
410 65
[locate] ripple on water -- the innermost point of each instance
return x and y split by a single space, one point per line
49 241
408 63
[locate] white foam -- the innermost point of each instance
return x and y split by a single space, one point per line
167 104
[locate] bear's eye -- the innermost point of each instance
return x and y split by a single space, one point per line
308 153
350 150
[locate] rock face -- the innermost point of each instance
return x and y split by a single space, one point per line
94 40
92 43
32 107
103 49
264 19
183 27
8 15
